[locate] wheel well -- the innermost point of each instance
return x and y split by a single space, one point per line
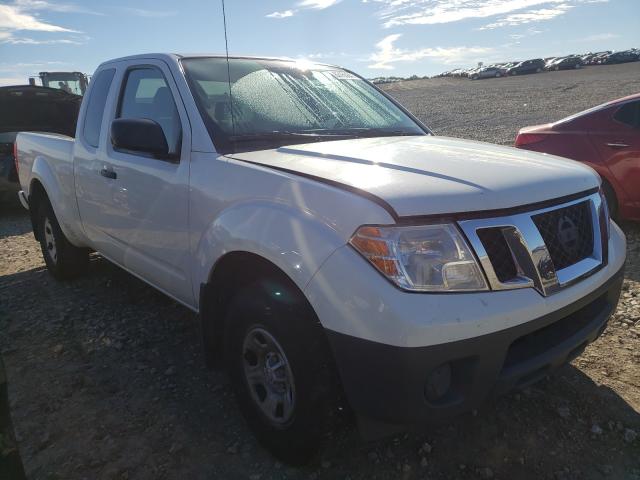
232 272
37 194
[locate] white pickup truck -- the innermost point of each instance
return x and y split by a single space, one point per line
333 247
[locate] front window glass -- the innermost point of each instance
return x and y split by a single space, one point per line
147 95
269 103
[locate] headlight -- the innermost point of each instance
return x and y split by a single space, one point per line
421 258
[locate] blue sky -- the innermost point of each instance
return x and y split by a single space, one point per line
372 37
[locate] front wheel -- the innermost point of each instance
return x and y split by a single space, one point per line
281 370
64 260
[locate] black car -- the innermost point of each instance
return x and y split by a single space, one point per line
528 66
564 63
620 57
33 109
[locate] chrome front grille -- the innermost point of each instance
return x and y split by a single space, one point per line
568 233
546 249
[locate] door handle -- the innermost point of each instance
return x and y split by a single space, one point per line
105 172
617 145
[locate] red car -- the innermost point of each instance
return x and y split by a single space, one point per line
607 138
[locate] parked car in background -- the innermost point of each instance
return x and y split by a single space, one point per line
528 66
564 63
486 72
28 108
598 58
594 58
607 138
334 249
620 57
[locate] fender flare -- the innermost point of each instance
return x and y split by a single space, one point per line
292 256
66 212
298 242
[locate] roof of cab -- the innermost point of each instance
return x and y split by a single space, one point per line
173 57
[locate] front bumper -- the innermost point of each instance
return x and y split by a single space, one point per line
387 383
387 342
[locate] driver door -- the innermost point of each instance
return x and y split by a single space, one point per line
148 203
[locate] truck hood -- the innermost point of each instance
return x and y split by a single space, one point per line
427 175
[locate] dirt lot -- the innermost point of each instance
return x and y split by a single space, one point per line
106 375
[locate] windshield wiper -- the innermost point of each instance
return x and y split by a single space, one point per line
385 132
286 135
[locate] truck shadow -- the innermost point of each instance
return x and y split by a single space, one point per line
113 373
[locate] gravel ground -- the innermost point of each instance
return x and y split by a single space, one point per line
106 375
493 110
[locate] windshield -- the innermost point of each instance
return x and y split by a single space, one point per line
273 103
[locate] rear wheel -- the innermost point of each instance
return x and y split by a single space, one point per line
281 370
64 260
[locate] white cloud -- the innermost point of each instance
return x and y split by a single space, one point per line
12 81
12 17
285 14
18 73
31 5
598 37
529 16
142 12
431 12
318 4
11 40
303 5
23 16
387 54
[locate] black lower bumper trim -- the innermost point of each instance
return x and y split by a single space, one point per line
387 383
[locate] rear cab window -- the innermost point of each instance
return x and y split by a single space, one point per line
97 100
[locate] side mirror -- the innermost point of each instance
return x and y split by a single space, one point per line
139 135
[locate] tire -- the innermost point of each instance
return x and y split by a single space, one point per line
292 407
612 199
64 260
538 70
473 77
557 69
